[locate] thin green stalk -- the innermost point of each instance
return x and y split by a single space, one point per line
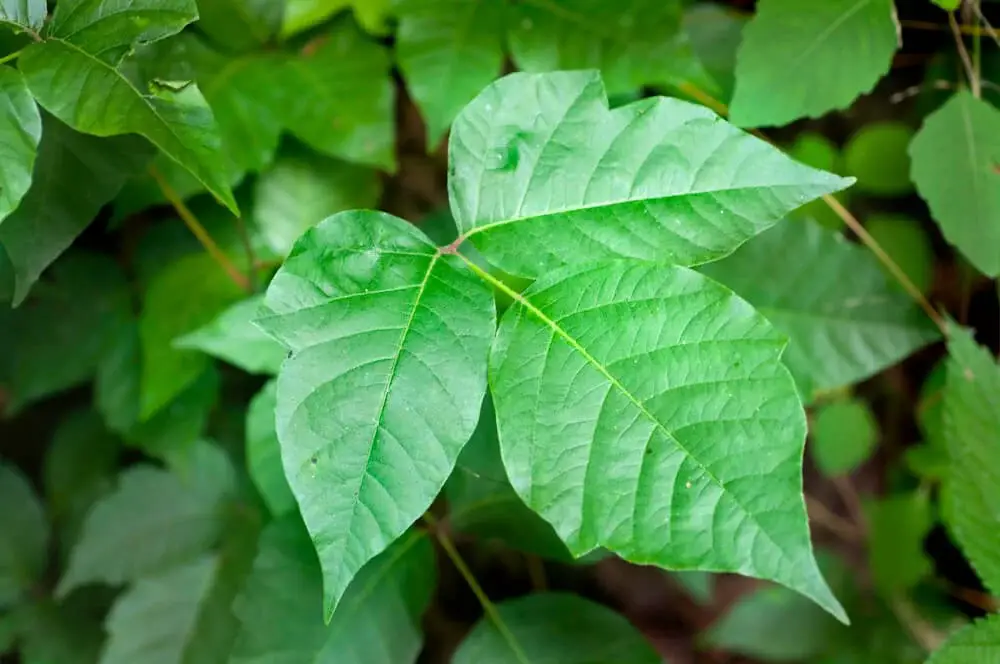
199 231
11 56
489 608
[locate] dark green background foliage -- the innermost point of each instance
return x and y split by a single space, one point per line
675 339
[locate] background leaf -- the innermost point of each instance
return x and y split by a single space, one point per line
233 337
301 15
844 435
377 622
75 318
830 297
383 388
74 76
20 129
343 106
264 453
482 503
448 50
22 557
898 527
239 25
955 156
876 155
170 310
972 432
303 188
769 92
543 174
154 520
633 43
676 441
555 628
75 175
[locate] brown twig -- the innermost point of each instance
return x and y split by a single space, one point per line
199 231
821 515
963 53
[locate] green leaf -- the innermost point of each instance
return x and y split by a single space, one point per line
175 429
633 44
844 434
715 33
74 176
377 622
302 188
770 92
79 468
264 453
343 104
66 633
979 642
233 337
73 320
245 93
876 155
483 504
898 526
818 151
181 298
949 5
154 520
699 585
907 244
153 620
21 129
972 432
20 14
955 156
22 557
555 628
448 50
831 298
772 624
389 339
239 25
544 175
676 441
300 15
74 74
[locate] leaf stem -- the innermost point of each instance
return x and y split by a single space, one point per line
963 53
489 608
199 231
851 221
11 56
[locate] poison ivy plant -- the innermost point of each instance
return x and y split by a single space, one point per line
769 92
22 129
372 411
233 337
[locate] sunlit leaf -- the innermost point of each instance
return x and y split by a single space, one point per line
676 441
20 131
389 340
543 175
979 642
